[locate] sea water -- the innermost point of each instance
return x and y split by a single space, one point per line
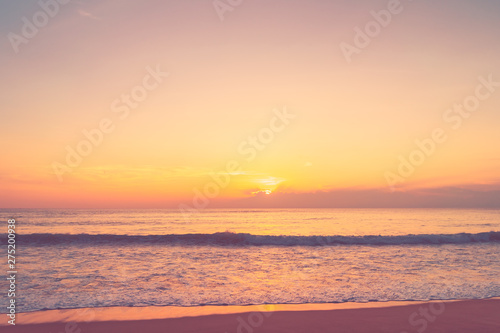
71 258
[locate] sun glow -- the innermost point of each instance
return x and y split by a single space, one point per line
127 133
259 192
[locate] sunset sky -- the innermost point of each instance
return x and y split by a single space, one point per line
349 120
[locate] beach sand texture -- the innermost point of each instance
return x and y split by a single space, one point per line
466 316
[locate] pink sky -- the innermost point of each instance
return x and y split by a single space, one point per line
350 120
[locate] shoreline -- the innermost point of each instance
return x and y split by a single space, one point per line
397 316
113 313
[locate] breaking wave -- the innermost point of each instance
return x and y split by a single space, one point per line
245 239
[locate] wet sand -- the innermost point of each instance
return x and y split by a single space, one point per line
399 317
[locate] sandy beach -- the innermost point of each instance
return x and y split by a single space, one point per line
440 317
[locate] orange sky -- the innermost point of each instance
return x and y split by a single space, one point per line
176 95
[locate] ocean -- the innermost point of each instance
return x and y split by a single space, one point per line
74 258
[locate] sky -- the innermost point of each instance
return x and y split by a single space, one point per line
276 103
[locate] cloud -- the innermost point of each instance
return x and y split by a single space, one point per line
262 192
138 173
87 14
444 197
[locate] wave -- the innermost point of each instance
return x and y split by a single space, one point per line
243 239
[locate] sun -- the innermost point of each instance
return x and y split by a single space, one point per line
260 192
